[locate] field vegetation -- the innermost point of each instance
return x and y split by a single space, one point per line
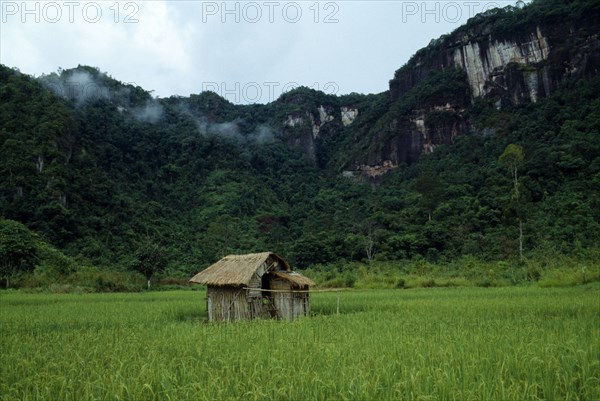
512 343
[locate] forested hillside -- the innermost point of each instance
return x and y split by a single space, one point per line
100 173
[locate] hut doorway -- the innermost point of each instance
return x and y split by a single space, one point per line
265 283
267 296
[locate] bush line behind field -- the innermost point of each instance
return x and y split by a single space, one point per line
554 271
550 270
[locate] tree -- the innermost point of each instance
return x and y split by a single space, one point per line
430 187
149 259
18 250
511 158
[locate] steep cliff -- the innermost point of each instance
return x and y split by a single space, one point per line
510 65
505 57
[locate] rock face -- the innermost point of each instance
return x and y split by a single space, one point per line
504 66
485 60
504 57
305 130
517 67
348 114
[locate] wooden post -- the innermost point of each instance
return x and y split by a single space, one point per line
338 302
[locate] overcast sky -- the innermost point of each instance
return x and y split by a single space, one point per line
246 51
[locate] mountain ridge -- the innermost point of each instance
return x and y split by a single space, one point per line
100 168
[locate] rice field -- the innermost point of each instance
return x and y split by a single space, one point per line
422 344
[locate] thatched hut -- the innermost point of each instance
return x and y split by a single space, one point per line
257 285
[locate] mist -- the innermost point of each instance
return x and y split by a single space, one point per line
81 87
78 86
231 129
152 112
263 134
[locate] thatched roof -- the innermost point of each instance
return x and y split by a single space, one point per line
237 270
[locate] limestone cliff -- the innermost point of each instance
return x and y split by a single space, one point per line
506 56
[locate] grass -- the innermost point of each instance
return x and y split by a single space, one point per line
467 271
508 343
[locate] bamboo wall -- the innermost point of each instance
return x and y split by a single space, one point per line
289 305
225 304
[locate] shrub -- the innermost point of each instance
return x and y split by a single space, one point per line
106 281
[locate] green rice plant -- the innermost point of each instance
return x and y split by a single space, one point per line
416 344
